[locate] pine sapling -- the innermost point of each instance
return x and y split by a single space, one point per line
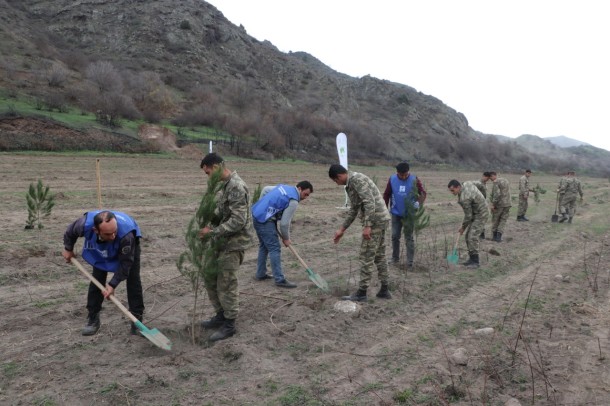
199 262
40 203
538 190
416 218
257 193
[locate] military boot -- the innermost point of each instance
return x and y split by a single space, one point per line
227 330
523 218
563 218
473 262
482 236
520 218
384 292
359 296
92 326
498 237
216 321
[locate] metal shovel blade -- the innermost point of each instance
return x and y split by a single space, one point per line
555 218
317 279
453 258
154 336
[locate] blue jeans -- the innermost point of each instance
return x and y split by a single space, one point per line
397 227
269 244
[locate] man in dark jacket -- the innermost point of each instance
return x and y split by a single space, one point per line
112 245
403 189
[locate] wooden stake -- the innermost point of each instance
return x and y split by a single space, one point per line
99 184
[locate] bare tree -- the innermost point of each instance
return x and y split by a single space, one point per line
105 76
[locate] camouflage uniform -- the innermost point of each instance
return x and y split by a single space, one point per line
500 199
569 189
524 190
481 186
367 202
233 209
475 214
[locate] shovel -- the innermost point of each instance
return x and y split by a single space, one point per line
453 257
315 278
555 217
154 335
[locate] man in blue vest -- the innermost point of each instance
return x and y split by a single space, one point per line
276 203
112 245
403 189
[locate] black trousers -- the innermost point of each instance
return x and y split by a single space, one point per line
135 297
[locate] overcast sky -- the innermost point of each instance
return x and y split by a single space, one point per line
514 67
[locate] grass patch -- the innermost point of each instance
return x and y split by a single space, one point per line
111 387
10 369
44 303
44 401
297 396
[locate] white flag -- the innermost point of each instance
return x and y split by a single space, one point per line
210 146
342 149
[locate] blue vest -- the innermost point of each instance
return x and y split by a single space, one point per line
274 202
401 190
105 255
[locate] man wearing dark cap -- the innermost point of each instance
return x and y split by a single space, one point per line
403 195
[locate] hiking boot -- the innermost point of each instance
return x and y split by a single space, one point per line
563 218
135 331
263 278
227 330
359 296
215 321
92 326
285 284
384 292
482 236
473 261
521 218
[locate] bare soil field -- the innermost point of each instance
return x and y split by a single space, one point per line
544 293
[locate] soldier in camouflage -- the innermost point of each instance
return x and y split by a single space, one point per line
233 209
569 189
482 186
500 205
524 191
475 216
367 202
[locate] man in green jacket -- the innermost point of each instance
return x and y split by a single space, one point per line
476 214
500 205
367 202
233 209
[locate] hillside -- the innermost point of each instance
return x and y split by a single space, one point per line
184 62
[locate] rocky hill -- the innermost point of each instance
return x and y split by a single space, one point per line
185 62
565 142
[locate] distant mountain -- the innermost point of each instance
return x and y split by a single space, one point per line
565 142
184 63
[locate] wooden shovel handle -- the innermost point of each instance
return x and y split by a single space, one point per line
103 289
457 238
298 256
